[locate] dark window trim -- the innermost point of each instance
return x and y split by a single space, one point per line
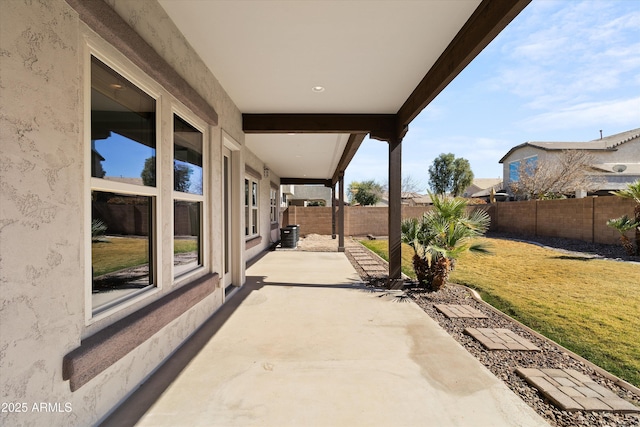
101 350
106 22
252 173
253 242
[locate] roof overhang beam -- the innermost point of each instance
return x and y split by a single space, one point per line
305 181
488 20
353 144
318 123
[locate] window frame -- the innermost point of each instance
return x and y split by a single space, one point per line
199 125
251 206
274 208
120 65
530 164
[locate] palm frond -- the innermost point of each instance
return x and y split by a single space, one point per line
623 224
631 192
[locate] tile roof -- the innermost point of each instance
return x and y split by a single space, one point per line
602 144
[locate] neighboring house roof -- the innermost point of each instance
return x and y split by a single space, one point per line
629 168
423 200
487 191
609 143
480 184
410 198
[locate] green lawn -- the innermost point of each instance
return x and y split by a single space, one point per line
591 307
117 253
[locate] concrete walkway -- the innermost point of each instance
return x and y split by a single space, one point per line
304 344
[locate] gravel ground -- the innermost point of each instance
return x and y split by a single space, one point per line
503 363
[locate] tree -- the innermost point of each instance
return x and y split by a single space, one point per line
148 173
181 174
441 236
181 177
441 173
448 175
408 185
365 193
632 192
555 177
462 176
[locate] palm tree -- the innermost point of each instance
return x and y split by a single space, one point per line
624 224
633 192
414 234
441 236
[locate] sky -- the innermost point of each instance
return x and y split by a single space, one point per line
561 71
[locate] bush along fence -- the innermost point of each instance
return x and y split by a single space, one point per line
580 219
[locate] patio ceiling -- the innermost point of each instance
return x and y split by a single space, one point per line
312 78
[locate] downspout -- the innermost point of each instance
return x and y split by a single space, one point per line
341 213
333 211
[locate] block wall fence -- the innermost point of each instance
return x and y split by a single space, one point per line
580 219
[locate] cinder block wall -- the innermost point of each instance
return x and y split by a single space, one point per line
581 219
571 218
606 208
516 217
364 220
312 220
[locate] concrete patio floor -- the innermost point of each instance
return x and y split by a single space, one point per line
303 343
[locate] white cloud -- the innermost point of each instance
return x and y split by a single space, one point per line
576 53
623 112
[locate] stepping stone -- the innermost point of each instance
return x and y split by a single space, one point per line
573 391
369 262
456 310
500 339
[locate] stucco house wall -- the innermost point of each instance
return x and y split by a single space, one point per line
623 148
43 209
518 155
266 235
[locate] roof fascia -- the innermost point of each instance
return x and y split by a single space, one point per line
305 181
486 22
353 144
318 123
517 147
106 22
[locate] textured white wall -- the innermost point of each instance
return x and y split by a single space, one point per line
42 197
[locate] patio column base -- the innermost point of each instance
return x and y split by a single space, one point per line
395 283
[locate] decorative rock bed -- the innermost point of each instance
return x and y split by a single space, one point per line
506 363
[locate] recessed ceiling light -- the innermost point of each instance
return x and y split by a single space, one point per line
317 89
116 86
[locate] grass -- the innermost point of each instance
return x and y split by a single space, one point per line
591 307
118 253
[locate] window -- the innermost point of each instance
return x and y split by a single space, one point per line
188 196
530 165
514 171
127 187
273 196
250 207
123 187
